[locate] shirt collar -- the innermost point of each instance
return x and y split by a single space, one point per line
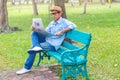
59 20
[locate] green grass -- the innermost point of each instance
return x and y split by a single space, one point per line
101 21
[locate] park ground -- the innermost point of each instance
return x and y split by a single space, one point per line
101 21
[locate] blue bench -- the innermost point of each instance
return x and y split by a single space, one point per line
72 55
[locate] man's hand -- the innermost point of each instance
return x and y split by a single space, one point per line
59 33
63 31
32 28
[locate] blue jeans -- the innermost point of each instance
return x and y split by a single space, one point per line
37 40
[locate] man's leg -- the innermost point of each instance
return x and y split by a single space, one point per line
47 47
30 60
36 39
28 64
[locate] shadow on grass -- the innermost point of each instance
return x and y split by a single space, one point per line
9 29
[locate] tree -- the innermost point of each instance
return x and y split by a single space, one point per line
72 2
110 2
27 1
13 2
19 2
61 4
103 2
85 5
4 24
34 8
80 2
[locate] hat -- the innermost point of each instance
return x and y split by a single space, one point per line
56 8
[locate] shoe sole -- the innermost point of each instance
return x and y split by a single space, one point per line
22 73
33 51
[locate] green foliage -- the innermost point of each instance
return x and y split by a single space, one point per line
101 21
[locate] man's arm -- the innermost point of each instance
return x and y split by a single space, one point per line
63 31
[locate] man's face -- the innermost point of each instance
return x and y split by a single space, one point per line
56 15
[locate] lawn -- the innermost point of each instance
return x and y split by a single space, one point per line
101 21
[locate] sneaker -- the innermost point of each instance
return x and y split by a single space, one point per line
35 49
22 71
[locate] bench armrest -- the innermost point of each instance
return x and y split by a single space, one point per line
71 57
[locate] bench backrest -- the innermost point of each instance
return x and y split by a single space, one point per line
79 36
79 40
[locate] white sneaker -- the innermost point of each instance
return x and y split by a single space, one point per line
22 71
36 48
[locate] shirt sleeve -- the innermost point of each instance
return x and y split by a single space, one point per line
48 28
33 24
70 24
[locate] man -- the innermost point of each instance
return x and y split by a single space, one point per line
58 27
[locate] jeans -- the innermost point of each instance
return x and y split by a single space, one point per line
37 40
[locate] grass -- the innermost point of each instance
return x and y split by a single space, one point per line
101 21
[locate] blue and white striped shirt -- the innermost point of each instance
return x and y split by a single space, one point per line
54 27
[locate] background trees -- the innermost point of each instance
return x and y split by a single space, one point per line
4 24
61 4
35 11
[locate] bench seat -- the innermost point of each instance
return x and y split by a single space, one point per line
68 60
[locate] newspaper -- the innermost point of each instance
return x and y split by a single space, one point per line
38 25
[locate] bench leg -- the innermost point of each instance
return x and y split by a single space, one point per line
63 73
74 70
67 70
86 74
39 59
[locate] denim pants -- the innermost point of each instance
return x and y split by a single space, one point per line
37 40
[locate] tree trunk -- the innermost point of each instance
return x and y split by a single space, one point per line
72 2
49 6
27 1
110 3
19 2
34 8
13 2
80 2
103 2
4 24
61 4
85 6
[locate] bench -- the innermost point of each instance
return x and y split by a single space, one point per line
71 55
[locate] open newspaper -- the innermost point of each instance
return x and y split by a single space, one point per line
38 25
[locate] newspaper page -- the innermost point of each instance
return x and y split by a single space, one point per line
38 25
